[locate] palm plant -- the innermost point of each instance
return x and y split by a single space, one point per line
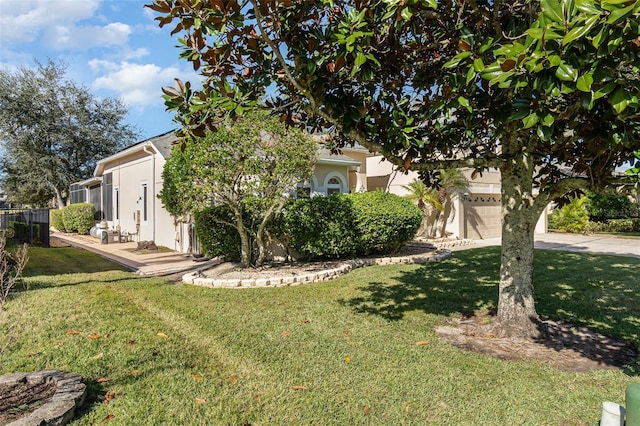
427 200
450 181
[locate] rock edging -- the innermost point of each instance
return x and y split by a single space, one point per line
197 278
60 409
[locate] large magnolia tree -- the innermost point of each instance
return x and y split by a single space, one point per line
545 91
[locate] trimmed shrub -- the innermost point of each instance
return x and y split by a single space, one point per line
216 237
78 217
342 225
605 206
318 227
616 225
384 221
55 219
572 217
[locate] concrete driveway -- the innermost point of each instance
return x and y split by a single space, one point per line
597 243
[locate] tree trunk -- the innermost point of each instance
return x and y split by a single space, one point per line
424 224
60 199
517 316
446 213
245 243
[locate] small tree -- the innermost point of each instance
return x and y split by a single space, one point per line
249 165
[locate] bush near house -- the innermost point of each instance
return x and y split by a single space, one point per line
217 238
319 227
55 219
343 225
384 222
78 217
572 217
333 227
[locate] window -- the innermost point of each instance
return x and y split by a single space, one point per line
78 194
107 196
145 199
117 190
334 186
303 190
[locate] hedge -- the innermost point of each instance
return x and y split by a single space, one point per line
78 217
384 221
319 227
343 225
616 225
216 238
55 218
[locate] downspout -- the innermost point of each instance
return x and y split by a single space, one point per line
153 186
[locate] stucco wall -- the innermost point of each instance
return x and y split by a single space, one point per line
130 174
324 172
381 174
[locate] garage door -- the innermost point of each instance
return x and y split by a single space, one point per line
482 216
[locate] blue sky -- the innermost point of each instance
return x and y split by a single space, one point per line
112 47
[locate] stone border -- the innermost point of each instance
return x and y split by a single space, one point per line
449 243
70 393
198 278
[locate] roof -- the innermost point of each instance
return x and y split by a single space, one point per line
162 144
326 157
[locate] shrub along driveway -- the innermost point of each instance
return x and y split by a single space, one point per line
357 350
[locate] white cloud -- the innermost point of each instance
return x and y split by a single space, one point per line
85 37
25 20
138 85
135 54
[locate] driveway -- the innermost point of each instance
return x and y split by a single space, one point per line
598 244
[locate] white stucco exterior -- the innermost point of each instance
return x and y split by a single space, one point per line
126 187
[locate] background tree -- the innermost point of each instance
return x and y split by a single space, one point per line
53 132
249 165
545 91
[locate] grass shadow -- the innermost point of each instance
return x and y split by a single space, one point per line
457 286
598 292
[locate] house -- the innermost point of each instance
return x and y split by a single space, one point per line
474 215
125 185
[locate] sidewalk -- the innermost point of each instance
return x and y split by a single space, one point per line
152 264
597 244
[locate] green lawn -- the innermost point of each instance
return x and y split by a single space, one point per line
349 342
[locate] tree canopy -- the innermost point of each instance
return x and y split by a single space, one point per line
53 131
249 165
545 91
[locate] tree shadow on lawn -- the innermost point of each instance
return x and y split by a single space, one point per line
581 297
